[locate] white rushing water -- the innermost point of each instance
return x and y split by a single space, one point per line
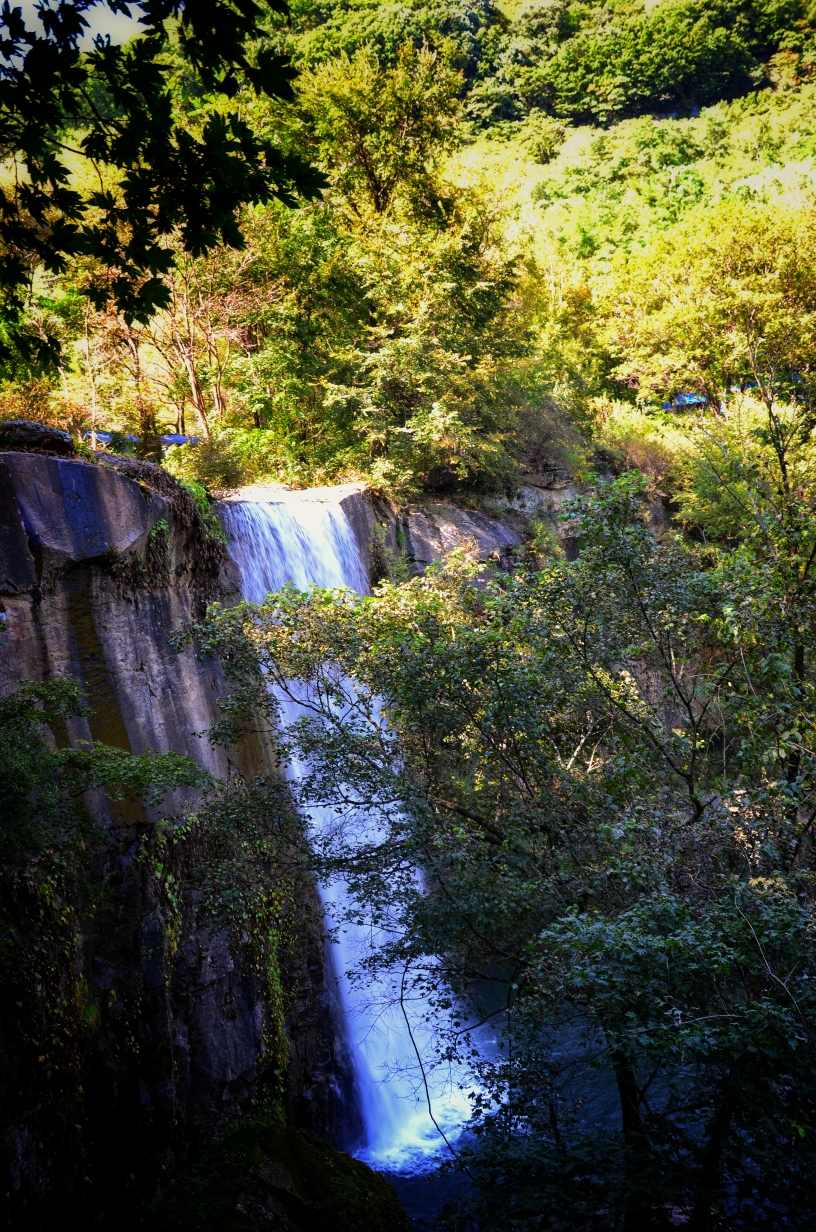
310 542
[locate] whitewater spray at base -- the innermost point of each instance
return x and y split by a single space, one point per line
310 542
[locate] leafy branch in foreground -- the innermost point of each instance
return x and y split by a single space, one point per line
149 169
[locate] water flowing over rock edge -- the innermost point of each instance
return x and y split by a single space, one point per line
280 537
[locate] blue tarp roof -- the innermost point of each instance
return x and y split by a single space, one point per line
172 438
685 400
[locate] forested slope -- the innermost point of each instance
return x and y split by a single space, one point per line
445 307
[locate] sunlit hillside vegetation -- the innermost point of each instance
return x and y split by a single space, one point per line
449 305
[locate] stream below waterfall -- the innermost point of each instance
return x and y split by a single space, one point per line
310 542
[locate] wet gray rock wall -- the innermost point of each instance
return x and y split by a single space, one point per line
99 565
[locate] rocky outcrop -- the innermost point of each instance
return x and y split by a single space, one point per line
261 1177
97 571
436 529
99 564
541 495
26 434
544 496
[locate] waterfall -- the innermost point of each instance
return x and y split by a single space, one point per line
307 542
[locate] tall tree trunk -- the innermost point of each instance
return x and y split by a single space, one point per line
638 1214
149 444
196 392
719 1128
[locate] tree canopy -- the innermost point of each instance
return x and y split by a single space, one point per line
605 771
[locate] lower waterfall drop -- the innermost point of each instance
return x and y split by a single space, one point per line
310 542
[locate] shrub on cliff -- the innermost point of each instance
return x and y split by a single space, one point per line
86 976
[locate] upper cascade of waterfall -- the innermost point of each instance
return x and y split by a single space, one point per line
308 541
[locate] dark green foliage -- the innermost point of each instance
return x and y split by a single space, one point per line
237 866
32 803
457 28
46 1016
240 858
41 786
578 60
203 504
683 995
607 772
50 844
599 62
297 1180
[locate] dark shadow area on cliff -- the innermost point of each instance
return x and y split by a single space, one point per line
262 1176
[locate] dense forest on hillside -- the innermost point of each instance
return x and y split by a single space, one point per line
496 183
493 241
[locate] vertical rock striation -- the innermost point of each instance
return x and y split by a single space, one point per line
99 565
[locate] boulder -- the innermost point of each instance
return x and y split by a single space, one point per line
263 1178
26 434
76 511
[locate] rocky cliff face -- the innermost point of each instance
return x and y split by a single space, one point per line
99 564
176 1034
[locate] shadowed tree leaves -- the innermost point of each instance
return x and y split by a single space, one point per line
606 772
103 162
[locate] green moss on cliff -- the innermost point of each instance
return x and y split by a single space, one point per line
261 1175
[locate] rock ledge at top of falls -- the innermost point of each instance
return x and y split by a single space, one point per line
426 531
353 499
337 492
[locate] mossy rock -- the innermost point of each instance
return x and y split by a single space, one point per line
261 1176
